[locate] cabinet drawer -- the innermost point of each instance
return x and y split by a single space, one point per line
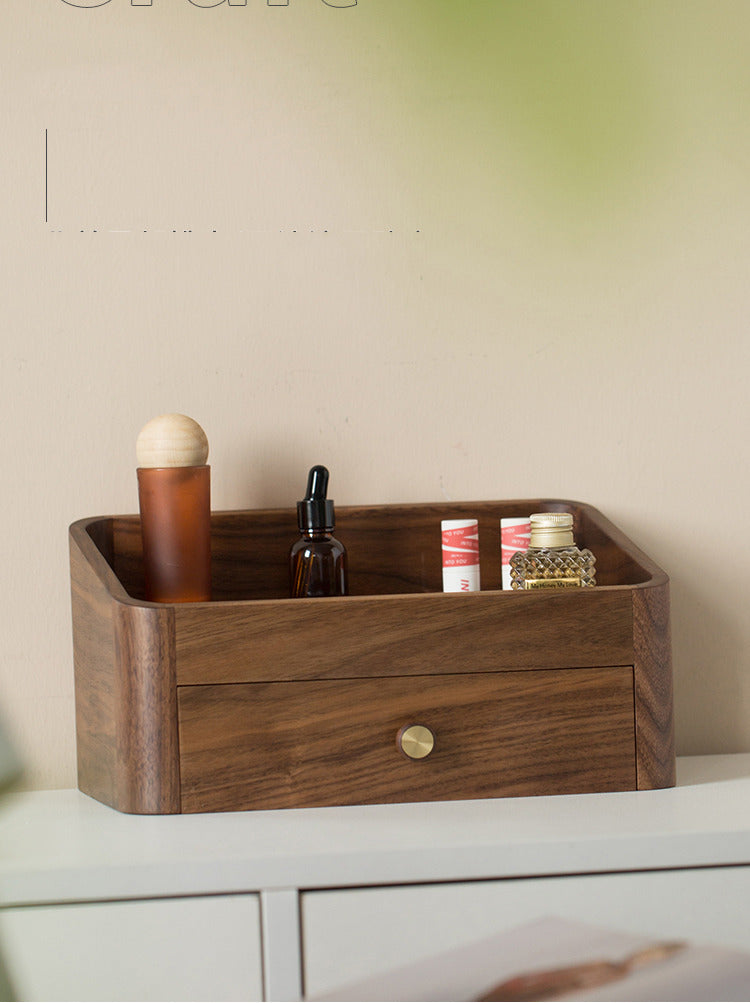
326 742
363 934
204 948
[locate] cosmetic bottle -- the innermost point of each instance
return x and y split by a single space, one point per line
460 552
317 561
514 536
553 561
174 493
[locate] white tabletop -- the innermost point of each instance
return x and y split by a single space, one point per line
63 846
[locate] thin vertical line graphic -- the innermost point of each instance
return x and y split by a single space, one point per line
46 177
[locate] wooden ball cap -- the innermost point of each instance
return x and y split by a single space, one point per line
172 440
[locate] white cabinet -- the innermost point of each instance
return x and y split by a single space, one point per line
162 949
95 904
352 935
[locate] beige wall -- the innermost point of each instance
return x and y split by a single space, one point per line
452 249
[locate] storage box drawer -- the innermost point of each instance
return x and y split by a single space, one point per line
326 742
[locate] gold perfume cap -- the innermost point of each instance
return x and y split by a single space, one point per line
552 529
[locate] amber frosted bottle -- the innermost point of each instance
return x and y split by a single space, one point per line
553 560
317 561
174 492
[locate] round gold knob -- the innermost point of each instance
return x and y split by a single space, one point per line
415 741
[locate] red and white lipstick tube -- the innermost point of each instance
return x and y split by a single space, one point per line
460 555
514 536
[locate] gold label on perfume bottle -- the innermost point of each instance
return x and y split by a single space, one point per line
552 583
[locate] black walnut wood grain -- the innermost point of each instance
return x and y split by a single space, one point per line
210 706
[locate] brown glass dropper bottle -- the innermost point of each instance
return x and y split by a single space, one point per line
174 493
317 561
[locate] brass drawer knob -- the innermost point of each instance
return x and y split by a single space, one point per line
415 741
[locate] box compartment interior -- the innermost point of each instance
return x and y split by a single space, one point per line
392 550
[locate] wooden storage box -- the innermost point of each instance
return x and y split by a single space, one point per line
255 700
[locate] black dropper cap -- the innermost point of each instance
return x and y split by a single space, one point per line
315 511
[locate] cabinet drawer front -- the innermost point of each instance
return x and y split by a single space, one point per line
428 941
205 948
329 742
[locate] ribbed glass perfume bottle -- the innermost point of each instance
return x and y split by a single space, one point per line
553 561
